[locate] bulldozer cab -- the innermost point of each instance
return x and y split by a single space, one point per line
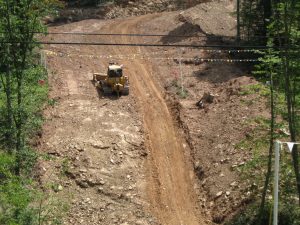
115 71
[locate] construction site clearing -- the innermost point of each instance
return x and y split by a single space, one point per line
167 153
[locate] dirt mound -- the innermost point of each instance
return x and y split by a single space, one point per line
135 7
120 9
213 18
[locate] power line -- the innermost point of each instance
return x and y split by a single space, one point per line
137 35
221 47
130 35
218 51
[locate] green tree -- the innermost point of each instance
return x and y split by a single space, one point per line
278 22
21 19
267 67
283 31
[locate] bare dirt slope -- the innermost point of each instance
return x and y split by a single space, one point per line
97 144
100 143
213 18
215 132
170 176
153 157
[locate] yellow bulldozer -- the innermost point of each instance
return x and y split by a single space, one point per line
112 81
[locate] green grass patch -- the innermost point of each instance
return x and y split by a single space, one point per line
15 197
254 171
287 215
21 201
182 92
65 166
258 88
52 102
247 102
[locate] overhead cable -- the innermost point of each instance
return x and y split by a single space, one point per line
146 35
141 45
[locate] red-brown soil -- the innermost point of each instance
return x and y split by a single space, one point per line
150 157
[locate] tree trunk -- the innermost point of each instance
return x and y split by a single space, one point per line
289 92
238 34
6 83
9 117
19 120
269 170
267 5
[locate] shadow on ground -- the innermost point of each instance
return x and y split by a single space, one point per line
214 72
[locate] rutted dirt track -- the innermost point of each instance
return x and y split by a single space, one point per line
170 178
165 185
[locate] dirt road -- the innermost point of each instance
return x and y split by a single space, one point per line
165 183
170 176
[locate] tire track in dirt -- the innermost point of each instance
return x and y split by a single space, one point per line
72 84
170 189
96 142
